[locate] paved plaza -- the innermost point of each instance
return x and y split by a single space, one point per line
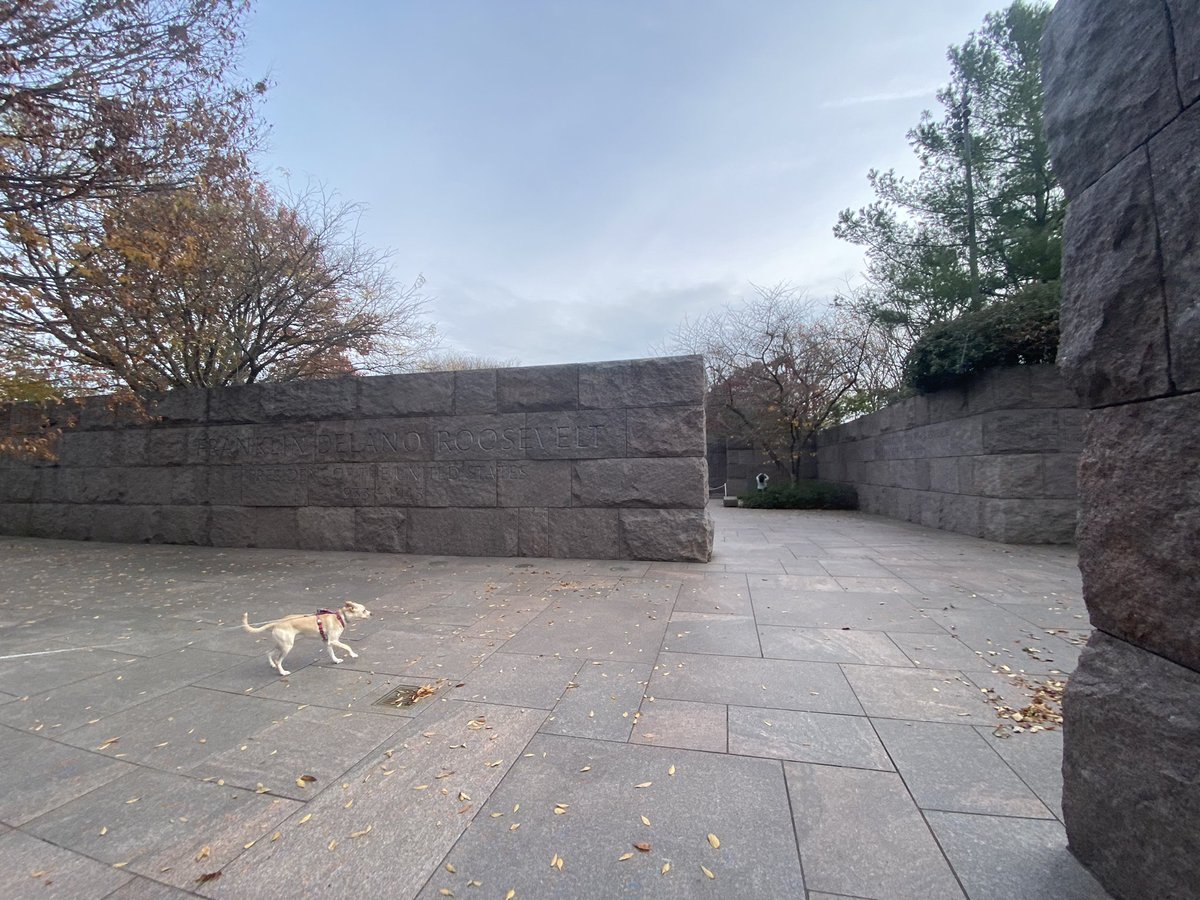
812 714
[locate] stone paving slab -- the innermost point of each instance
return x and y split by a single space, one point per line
824 688
36 868
41 774
604 815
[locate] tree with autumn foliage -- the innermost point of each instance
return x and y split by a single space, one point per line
138 247
782 367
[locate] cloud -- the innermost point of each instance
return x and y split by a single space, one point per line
885 97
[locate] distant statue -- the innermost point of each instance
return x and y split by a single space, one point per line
761 480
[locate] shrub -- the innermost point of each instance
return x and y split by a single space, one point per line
1020 330
803 495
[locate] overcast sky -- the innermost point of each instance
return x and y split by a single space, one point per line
573 177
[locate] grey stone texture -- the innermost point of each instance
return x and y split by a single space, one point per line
1123 121
1131 769
542 461
993 458
572 698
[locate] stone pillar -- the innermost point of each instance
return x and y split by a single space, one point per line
1123 122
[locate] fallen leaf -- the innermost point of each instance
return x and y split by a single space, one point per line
446 892
644 784
511 893
645 848
514 826
450 868
307 778
671 770
554 861
260 788
462 796
666 867
333 845
645 821
420 787
132 800
277 835
209 876
305 818
120 865
103 830
204 853
249 845
624 856
586 769
714 841
707 873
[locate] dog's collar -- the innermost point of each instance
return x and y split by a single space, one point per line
337 614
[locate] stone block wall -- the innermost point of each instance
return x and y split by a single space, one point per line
994 458
603 460
1123 124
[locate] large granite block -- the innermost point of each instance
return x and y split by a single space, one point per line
537 388
465 483
1114 336
584 534
14 518
260 445
1185 36
474 392
463 532
326 528
180 525
1007 475
533 532
530 482
181 406
122 524
69 521
1175 167
418 394
1028 521
1109 80
669 381
680 483
233 526
91 448
670 534
273 485
1131 794
381 530
20 484
1020 431
325 398
1139 493
666 431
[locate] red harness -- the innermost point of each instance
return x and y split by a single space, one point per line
328 612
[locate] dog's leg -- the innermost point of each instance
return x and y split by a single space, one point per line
329 646
285 642
342 646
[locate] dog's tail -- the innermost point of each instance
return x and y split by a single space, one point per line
253 629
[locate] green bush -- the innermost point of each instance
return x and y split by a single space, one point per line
803 495
1020 330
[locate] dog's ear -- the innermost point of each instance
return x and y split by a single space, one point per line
349 604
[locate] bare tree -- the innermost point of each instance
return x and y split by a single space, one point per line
221 283
780 369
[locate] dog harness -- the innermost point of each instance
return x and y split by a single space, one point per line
328 612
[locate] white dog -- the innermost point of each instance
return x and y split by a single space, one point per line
327 624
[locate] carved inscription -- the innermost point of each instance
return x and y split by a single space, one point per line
505 440
243 447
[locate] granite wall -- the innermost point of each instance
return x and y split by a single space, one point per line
995 457
1123 123
601 460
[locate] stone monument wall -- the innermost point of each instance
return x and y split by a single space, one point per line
603 460
994 458
1123 123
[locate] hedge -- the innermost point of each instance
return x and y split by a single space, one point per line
1020 330
803 495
